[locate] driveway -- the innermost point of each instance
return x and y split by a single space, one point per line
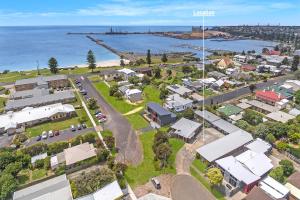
186 187
187 153
127 141
64 135
5 140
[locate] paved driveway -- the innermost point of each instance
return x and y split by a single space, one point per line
64 135
127 140
186 187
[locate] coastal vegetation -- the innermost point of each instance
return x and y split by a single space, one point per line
53 65
91 60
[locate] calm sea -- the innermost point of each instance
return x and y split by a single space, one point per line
21 48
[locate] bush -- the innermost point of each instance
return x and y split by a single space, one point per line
109 141
287 166
19 139
89 137
282 146
270 138
47 163
102 155
57 147
35 149
39 164
277 174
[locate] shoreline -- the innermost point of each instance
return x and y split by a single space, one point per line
100 64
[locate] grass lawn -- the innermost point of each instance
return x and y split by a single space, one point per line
218 195
2 102
119 105
58 125
151 93
142 173
207 93
200 165
38 174
94 78
137 121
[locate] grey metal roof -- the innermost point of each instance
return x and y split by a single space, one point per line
185 127
109 72
225 126
208 116
224 145
40 79
55 188
158 109
30 93
39 100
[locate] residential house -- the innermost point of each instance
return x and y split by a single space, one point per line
79 153
57 160
56 81
133 95
297 52
144 70
217 85
12 122
54 188
295 84
240 58
224 146
230 71
152 196
259 146
216 75
273 188
208 81
185 129
293 184
257 194
261 106
40 99
224 63
111 191
268 97
110 74
159 115
179 89
248 68
280 116
230 111
177 103
295 112
38 157
193 85
127 73
29 93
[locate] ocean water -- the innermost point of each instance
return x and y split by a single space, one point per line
21 48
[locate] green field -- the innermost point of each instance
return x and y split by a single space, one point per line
142 173
200 165
38 174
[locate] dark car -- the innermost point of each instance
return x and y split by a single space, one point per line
83 92
72 127
79 127
56 132
97 112
156 183
38 138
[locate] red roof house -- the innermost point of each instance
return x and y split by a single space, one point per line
273 52
269 97
248 68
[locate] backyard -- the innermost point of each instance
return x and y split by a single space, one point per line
147 169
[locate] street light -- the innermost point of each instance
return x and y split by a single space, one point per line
203 14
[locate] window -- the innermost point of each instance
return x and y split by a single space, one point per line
232 181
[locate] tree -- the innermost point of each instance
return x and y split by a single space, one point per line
162 153
252 87
215 176
295 63
164 58
188 113
118 95
91 60
146 80
169 72
134 80
270 138
252 117
8 184
243 53
156 72
109 141
53 65
285 61
287 166
282 146
187 69
92 103
163 93
276 48
277 174
148 58
265 50
122 63
113 89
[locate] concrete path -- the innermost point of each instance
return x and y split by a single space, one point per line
134 111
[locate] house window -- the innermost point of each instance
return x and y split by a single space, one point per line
232 181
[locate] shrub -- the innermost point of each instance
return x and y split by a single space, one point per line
39 163
35 149
277 174
282 146
57 147
109 141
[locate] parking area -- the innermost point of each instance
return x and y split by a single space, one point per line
64 135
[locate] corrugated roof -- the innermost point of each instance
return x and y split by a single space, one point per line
224 145
40 79
259 146
79 152
208 116
225 126
185 127
158 109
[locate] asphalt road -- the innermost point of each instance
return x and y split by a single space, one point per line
242 91
127 141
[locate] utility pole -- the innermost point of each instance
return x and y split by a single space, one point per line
38 67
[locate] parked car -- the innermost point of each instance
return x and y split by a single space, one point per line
79 127
102 120
44 135
101 116
72 127
38 138
83 92
56 132
97 112
156 183
50 133
83 125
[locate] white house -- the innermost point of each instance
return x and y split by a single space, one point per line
177 103
133 95
127 73
179 89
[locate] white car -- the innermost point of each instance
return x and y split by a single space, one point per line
50 133
44 135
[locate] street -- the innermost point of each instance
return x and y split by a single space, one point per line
126 139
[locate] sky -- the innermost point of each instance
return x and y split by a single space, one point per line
147 12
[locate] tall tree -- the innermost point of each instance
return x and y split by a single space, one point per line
164 58
295 64
52 63
122 63
91 60
148 58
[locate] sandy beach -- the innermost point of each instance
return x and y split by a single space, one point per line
106 63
